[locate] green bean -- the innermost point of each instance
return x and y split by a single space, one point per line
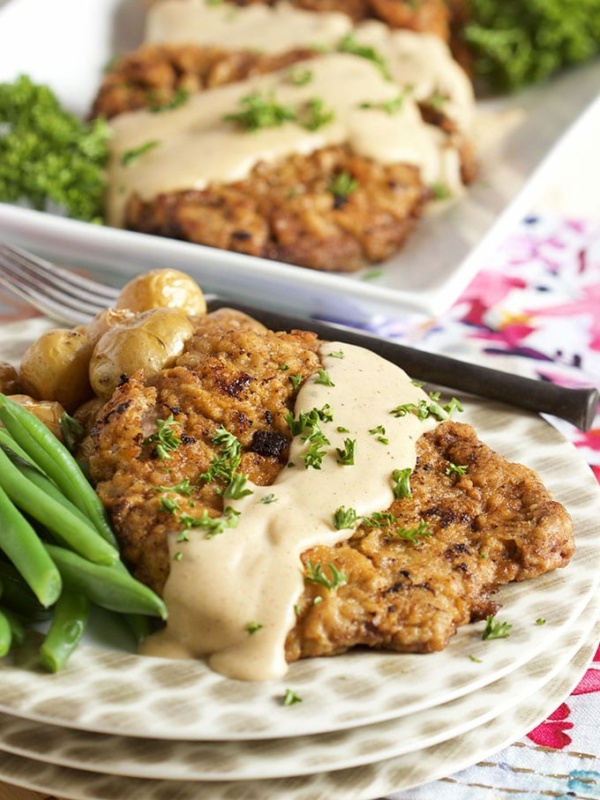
36 475
24 549
5 634
16 594
17 625
56 461
110 587
69 528
69 621
138 625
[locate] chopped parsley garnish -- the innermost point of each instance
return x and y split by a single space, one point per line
180 97
224 466
212 525
432 408
475 659
344 518
269 498
350 44
495 629
540 621
300 76
308 421
341 429
346 454
131 156
183 487
379 434
169 504
165 437
260 111
337 354
235 488
290 698
391 107
401 483
317 115
414 534
296 380
314 573
253 627
314 455
380 519
456 469
323 378
343 184
440 190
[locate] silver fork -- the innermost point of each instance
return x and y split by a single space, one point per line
59 293
72 298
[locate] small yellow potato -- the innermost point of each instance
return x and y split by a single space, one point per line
87 413
148 341
56 367
48 411
9 379
104 320
163 287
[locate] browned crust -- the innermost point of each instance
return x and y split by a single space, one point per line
152 75
288 211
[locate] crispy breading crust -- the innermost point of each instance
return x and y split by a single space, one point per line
288 211
494 524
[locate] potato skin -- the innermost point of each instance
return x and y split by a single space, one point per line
55 367
9 378
148 341
163 288
48 411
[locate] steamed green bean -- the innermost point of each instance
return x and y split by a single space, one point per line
68 527
56 461
69 621
111 587
23 547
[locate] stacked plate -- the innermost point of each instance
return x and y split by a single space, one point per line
116 725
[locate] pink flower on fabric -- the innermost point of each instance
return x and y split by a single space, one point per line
551 732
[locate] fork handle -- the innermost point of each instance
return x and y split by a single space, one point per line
577 406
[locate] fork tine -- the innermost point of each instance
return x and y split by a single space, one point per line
58 292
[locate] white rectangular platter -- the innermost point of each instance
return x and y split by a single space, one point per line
67 43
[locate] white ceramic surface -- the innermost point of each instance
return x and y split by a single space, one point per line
302 755
355 783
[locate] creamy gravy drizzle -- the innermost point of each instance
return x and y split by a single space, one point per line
195 146
253 573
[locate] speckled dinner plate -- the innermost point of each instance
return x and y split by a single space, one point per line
303 755
110 691
355 783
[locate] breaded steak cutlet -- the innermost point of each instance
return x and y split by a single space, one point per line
282 202
433 565
291 212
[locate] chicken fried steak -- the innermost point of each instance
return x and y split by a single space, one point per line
293 212
411 574
334 141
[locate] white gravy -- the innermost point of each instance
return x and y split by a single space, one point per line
196 146
420 60
253 573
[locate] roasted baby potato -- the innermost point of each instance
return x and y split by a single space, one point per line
163 288
56 367
9 378
48 411
148 341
